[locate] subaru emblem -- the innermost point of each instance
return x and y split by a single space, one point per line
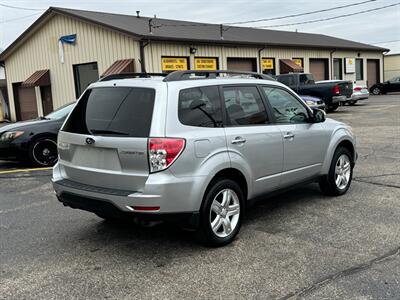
90 141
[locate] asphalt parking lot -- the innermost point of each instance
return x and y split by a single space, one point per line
296 245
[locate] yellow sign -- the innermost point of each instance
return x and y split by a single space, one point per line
174 63
209 64
298 61
267 63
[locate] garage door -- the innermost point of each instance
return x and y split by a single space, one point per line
242 64
372 71
319 68
26 103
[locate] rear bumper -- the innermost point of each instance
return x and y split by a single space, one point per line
338 99
359 96
166 194
107 208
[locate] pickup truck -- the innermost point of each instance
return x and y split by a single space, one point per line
332 93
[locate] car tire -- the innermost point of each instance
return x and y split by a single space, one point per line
221 213
333 107
338 180
43 152
352 102
376 91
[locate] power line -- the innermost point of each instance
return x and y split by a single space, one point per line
386 42
22 8
20 18
301 14
330 18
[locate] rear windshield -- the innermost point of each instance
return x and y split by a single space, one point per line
113 111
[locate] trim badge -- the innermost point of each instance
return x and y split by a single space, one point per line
90 141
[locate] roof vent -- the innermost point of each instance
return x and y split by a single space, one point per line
138 14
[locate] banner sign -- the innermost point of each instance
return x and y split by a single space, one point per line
174 63
298 61
350 66
267 63
66 39
207 64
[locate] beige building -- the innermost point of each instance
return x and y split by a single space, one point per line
391 66
55 59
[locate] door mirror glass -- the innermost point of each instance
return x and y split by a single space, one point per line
319 115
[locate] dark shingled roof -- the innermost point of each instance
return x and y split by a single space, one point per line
173 30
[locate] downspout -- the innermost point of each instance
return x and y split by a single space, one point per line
259 59
143 44
331 57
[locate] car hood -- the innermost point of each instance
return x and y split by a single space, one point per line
332 121
23 125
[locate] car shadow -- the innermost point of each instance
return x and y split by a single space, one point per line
161 241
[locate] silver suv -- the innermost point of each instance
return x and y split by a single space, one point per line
194 147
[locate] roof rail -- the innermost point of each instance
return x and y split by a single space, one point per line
131 75
198 74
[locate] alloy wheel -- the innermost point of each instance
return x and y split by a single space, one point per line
224 213
342 171
44 152
376 91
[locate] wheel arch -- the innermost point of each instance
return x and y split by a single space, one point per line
340 138
232 174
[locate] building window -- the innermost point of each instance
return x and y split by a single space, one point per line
170 64
206 63
299 61
268 65
337 68
359 69
84 74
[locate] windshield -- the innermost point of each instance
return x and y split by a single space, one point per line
60 113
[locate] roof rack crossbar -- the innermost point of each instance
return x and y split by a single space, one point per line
186 75
131 75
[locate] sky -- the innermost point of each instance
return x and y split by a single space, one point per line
371 28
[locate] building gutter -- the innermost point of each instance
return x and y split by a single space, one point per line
259 59
331 58
142 45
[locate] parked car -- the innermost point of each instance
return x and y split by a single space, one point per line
34 141
195 151
313 102
390 86
360 92
331 92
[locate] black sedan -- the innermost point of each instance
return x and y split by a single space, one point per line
33 141
390 86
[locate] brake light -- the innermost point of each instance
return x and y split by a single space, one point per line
336 90
163 152
357 89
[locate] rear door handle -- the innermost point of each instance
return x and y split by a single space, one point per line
238 140
288 136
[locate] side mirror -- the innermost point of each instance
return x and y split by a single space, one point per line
319 115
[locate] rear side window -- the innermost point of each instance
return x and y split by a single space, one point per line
200 106
244 106
113 111
286 80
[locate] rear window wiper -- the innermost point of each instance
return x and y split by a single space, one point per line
101 131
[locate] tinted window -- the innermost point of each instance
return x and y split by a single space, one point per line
287 80
306 79
244 106
200 106
120 111
286 108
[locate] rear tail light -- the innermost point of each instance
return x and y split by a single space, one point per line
163 152
357 89
336 90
